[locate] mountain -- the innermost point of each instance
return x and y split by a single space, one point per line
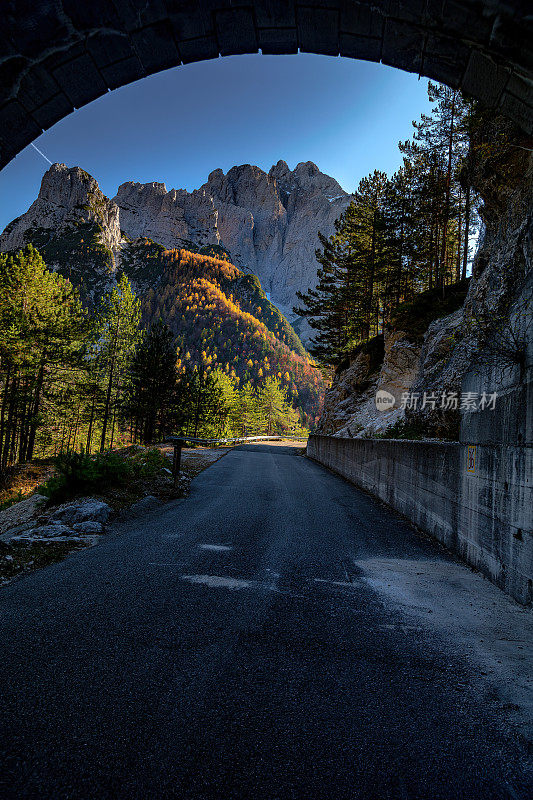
223 319
74 226
267 221
221 315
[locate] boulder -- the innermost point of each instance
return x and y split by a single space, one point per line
88 527
21 513
49 531
82 511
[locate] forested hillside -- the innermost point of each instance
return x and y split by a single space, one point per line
223 320
400 235
201 352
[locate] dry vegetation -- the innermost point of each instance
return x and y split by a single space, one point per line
18 558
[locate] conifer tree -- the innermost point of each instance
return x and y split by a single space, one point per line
272 401
44 331
152 382
250 415
118 335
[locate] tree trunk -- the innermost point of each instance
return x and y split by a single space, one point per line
10 432
113 426
107 406
467 232
3 411
91 421
371 278
459 241
448 192
35 411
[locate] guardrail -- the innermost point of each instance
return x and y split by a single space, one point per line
182 441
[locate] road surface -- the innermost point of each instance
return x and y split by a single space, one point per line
232 645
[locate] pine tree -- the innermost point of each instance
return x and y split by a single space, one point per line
227 420
44 331
276 411
153 381
118 335
323 306
346 306
250 417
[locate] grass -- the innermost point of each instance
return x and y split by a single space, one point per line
22 480
11 499
80 473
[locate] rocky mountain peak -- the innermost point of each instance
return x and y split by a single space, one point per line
306 168
172 218
61 182
281 168
268 221
68 196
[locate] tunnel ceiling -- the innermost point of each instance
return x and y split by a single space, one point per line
56 56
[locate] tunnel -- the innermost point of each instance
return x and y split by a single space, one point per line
58 55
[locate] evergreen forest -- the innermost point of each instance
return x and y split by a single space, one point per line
400 236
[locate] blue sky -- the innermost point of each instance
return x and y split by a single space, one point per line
177 126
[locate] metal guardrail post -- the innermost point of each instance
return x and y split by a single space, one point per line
176 461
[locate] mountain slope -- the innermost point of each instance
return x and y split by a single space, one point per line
267 221
220 315
223 320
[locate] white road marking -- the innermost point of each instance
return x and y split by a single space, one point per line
218 581
216 547
349 584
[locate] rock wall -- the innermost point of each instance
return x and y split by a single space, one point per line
267 221
349 405
511 377
170 218
484 515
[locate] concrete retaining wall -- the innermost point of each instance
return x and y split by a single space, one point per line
485 515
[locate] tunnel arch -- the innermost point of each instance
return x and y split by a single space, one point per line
59 55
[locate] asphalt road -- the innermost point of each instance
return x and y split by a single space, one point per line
226 647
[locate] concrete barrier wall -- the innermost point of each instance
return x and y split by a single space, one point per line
484 514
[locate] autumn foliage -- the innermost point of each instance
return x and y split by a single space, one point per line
223 320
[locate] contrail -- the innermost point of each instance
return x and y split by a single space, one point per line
41 154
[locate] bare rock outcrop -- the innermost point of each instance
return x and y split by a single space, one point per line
350 407
172 218
21 514
267 221
68 196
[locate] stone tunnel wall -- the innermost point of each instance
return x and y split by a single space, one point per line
484 515
58 55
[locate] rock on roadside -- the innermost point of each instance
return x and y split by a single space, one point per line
89 527
21 513
78 511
